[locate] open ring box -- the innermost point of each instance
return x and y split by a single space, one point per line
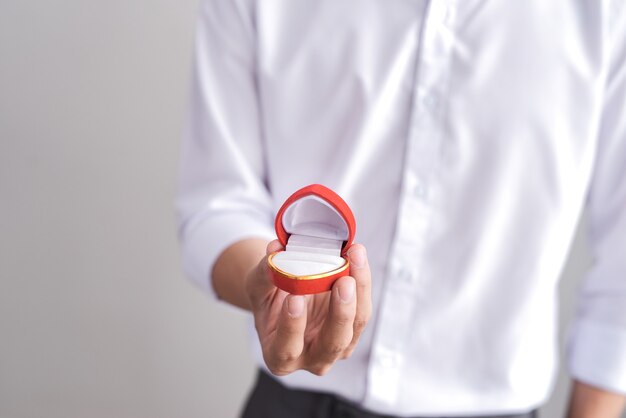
316 227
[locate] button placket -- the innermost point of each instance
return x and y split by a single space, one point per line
402 289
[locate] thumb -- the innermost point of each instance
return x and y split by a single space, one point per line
259 285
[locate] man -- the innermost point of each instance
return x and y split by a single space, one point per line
468 137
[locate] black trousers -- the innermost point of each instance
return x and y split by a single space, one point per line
270 399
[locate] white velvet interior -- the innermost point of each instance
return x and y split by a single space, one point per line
301 263
306 243
313 216
316 235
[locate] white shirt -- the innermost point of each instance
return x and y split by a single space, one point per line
467 137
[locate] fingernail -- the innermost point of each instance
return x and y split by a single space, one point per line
295 306
357 257
346 291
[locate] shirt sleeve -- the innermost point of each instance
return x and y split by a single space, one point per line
597 341
222 197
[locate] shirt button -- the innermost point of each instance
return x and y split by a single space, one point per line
403 272
388 360
419 190
429 100
406 275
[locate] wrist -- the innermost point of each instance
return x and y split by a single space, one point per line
588 401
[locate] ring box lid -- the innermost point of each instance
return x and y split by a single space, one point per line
315 212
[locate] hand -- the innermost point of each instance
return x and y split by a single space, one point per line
310 332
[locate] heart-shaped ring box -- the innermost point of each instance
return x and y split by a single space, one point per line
316 227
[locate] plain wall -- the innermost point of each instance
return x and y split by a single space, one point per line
96 319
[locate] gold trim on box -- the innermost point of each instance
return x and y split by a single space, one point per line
311 277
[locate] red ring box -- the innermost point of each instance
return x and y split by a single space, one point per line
316 227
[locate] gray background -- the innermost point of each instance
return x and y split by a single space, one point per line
96 319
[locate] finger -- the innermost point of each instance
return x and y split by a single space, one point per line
282 354
265 299
360 270
336 333
273 246
259 286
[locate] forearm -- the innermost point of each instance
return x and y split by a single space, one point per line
590 402
232 267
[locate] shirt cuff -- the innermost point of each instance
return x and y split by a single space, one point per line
597 355
205 242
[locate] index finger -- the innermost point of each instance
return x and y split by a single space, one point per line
259 285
